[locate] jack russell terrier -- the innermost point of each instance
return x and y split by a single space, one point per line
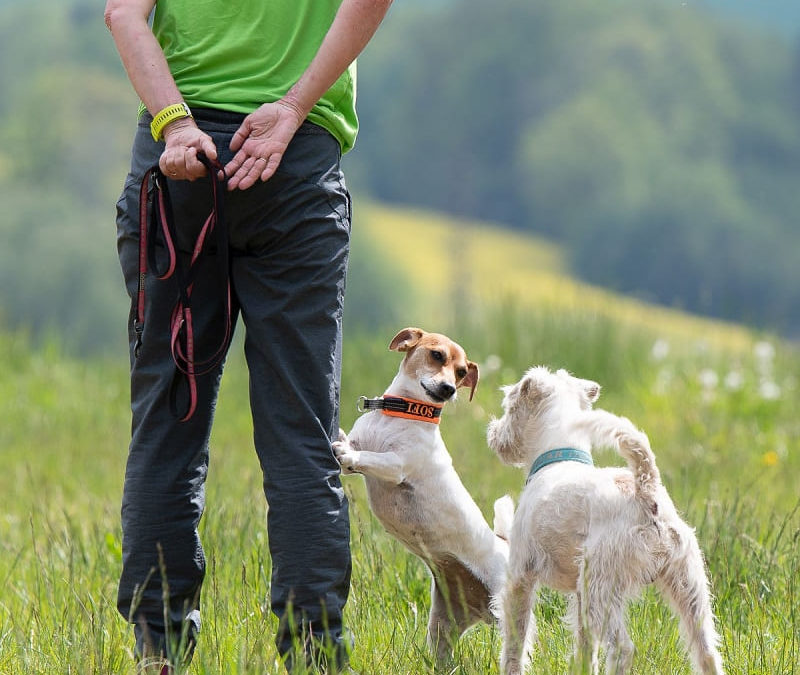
416 493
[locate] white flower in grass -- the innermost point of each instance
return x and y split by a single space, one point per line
492 364
764 352
708 378
734 380
769 390
660 349
765 358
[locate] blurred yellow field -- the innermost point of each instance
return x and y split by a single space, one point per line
486 263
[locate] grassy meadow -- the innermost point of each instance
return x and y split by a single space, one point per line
719 404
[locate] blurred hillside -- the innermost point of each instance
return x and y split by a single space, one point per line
496 271
658 142
655 145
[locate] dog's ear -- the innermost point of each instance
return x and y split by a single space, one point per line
406 339
536 385
590 389
537 381
471 378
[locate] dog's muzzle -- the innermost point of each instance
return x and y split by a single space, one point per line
439 391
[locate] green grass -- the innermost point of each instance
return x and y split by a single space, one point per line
723 423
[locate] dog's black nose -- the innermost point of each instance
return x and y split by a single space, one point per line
446 390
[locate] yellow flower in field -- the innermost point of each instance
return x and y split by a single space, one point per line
770 458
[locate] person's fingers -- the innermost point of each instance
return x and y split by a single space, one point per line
181 164
260 166
244 170
194 168
253 170
241 135
271 166
234 170
243 179
209 149
167 165
235 163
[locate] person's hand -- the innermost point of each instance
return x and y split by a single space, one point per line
183 141
260 142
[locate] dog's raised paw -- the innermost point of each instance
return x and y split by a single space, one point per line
347 458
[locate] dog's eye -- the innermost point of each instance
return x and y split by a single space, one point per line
436 355
461 373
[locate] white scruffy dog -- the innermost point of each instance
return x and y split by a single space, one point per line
416 493
599 534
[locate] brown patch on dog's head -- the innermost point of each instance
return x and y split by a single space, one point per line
437 355
406 339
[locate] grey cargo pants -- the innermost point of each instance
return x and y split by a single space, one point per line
289 240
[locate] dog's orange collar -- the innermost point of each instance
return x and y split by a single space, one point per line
400 406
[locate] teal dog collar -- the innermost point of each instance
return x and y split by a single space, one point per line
560 455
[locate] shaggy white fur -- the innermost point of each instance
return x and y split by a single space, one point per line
598 534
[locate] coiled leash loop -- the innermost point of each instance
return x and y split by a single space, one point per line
156 220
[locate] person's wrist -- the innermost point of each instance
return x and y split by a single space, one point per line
178 125
166 116
294 106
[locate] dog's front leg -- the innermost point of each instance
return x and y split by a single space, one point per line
607 429
388 466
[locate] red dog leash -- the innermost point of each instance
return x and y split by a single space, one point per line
156 218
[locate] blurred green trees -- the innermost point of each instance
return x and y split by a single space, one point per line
658 144
66 121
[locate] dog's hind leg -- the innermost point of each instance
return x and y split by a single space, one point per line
458 600
620 648
585 649
600 608
517 622
442 632
684 584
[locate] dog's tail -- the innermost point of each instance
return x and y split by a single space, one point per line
634 446
503 517
609 430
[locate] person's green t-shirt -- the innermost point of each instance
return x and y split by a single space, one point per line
236 55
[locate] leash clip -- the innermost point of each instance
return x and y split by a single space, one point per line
362 400
138 328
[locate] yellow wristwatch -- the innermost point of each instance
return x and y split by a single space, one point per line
167 115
